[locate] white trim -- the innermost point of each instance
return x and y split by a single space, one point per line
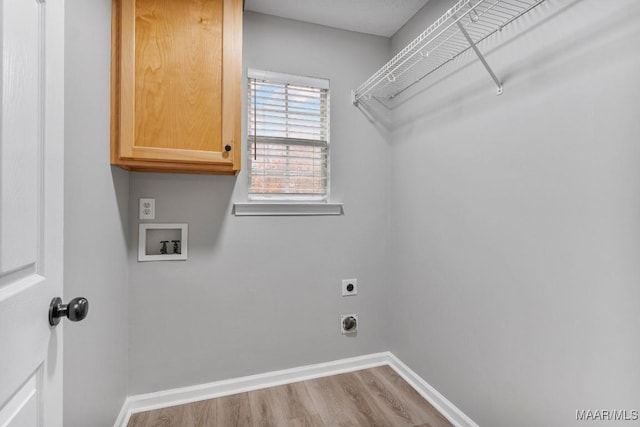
279 209
437 400
276 77
163 399
124 415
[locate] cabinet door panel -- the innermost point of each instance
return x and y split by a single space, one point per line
178 69
178 66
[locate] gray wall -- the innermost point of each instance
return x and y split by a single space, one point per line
96 206
263 293
515 233
510 278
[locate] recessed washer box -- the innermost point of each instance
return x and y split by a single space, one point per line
162 242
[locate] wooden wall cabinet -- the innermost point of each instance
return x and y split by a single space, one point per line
176 85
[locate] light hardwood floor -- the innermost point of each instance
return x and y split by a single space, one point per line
370 397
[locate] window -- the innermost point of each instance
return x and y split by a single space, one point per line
288 137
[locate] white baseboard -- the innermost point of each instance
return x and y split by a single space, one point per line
162 399
438 401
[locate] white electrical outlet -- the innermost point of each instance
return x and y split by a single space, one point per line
147 208
348 323
349 287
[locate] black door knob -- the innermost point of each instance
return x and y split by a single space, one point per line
75 311
227 147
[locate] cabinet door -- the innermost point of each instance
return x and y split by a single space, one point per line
178 85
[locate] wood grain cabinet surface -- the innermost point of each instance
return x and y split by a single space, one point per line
176 85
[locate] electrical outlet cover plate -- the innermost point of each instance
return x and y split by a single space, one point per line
352 331
345 286
147 209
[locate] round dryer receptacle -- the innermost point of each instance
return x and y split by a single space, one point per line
349 323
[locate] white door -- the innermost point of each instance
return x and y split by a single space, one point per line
31 205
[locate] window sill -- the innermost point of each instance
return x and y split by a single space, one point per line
287 209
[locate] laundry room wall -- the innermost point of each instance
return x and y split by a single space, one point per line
515 218
96 225
259 294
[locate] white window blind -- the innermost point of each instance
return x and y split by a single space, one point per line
288 137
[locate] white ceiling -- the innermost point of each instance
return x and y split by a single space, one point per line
379 17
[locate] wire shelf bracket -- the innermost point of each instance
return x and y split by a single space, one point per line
481 58
461 29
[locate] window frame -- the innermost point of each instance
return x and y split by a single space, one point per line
297 80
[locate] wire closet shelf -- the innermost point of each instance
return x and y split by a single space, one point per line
459 30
